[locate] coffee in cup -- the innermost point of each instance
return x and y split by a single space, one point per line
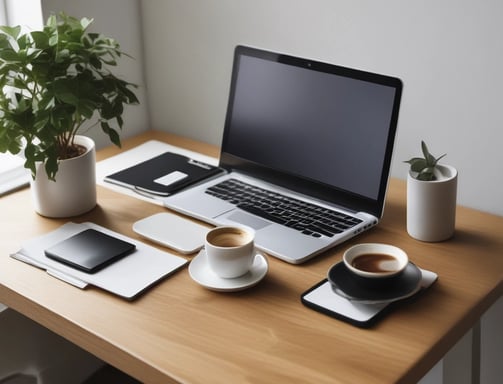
374 260
230 250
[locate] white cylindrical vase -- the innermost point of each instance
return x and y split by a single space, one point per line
74 191
431 205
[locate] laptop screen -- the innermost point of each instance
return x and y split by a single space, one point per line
318 128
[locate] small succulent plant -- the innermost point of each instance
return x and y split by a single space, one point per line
423 168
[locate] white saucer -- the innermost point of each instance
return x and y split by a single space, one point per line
201 273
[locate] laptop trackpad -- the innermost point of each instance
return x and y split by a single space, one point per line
249 220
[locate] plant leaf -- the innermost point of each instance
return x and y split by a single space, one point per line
40 39
4 42
418 165
10 56
112 133
11 31
440 158
430 159
425 176
85 22
413 160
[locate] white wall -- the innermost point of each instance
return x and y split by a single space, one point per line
27 13
119 19
446 52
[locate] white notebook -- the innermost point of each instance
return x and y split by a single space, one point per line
127 277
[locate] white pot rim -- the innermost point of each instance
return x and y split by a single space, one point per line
86 142
448 170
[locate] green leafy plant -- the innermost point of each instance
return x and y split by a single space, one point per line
52 82
423 168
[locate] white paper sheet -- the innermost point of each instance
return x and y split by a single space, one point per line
126 277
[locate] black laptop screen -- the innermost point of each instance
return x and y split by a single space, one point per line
313 121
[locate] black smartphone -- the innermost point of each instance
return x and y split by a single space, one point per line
89 251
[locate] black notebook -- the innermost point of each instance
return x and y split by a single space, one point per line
89 250
163 175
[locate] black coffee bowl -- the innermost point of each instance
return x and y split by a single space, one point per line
363 288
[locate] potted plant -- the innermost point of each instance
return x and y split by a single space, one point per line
56 82
431 197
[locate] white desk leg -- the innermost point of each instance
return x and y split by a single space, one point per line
461 365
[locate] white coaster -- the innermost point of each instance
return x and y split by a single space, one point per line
322 298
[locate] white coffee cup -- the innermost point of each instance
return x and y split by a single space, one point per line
230 250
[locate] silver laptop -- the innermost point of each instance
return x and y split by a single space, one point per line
307 148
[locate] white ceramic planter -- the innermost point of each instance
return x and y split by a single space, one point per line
431 206
74 191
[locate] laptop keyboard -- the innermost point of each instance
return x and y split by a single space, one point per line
310 219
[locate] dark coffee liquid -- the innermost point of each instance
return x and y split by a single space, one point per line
375 262
228 237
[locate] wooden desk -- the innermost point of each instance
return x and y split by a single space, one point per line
179 331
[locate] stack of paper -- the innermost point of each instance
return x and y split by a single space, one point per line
126 277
